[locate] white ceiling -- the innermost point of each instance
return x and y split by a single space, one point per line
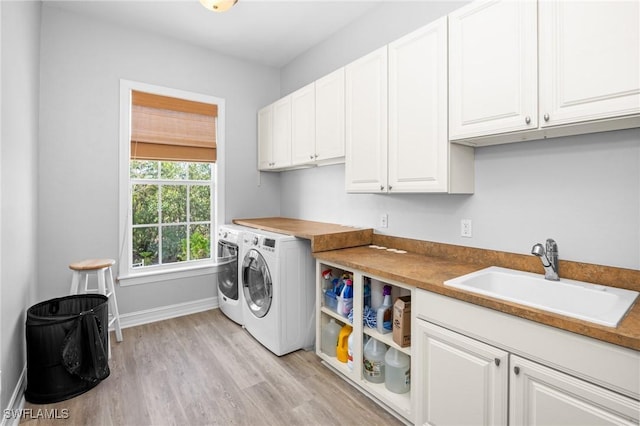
268 32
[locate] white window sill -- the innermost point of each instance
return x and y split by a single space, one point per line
149 277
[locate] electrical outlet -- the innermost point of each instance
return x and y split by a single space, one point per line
465 228
384 220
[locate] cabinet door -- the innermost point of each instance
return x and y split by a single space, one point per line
418 142
492 68
265 137
330 116
460 381
303 125
589 60
366 123
282 133
542 396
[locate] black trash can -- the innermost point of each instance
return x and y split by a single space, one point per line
67 347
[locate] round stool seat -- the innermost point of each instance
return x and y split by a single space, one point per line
91 264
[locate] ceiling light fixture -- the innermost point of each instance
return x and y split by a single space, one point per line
218 5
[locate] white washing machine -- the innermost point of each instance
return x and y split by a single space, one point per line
277 276
230 298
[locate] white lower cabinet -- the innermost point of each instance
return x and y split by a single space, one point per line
399 404
540 395
464 380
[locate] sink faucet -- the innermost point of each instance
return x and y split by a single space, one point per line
549 258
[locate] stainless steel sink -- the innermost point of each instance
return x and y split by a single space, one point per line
590 302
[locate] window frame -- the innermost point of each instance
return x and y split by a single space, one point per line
127 275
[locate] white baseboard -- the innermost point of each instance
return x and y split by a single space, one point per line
12 414
147 316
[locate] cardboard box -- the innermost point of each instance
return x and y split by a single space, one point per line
402 321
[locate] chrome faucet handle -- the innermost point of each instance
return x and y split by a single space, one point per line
552 253
551 246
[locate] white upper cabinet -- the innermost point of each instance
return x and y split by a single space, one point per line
492 68
397 126
589 60
305 128
527 70
366 123
418 143
265 137
274 135
282 133
303 125
330 110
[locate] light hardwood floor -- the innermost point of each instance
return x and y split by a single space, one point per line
205 369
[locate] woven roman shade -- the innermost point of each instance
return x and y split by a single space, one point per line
171 129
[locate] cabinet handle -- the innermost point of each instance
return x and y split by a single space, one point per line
311 157
497 361
390 187
546 117
316 156
516 370
381 187
527 119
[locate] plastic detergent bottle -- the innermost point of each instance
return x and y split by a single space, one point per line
373 361
345 302
397 371
350 352
384 317
366 292
330 333
376 294
342 348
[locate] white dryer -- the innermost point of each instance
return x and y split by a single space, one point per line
277 276
230 298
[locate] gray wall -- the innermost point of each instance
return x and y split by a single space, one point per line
82 63
20 23
386 22
584 191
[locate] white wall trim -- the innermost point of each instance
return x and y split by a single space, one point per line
147 316
12 414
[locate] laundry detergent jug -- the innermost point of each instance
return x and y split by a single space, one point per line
342 348
330 333
373 361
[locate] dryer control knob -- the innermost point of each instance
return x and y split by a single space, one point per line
255 241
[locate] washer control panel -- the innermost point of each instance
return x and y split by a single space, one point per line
260 241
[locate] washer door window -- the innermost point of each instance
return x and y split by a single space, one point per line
256 283
228 269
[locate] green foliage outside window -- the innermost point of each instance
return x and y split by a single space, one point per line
171 212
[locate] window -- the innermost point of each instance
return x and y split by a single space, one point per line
170 194
171 212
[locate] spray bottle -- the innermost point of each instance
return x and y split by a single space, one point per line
384 317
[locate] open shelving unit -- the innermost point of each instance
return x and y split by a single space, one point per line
401 405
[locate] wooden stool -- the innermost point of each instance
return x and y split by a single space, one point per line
106 286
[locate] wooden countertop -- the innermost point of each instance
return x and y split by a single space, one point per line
429 273
323 236
427 265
